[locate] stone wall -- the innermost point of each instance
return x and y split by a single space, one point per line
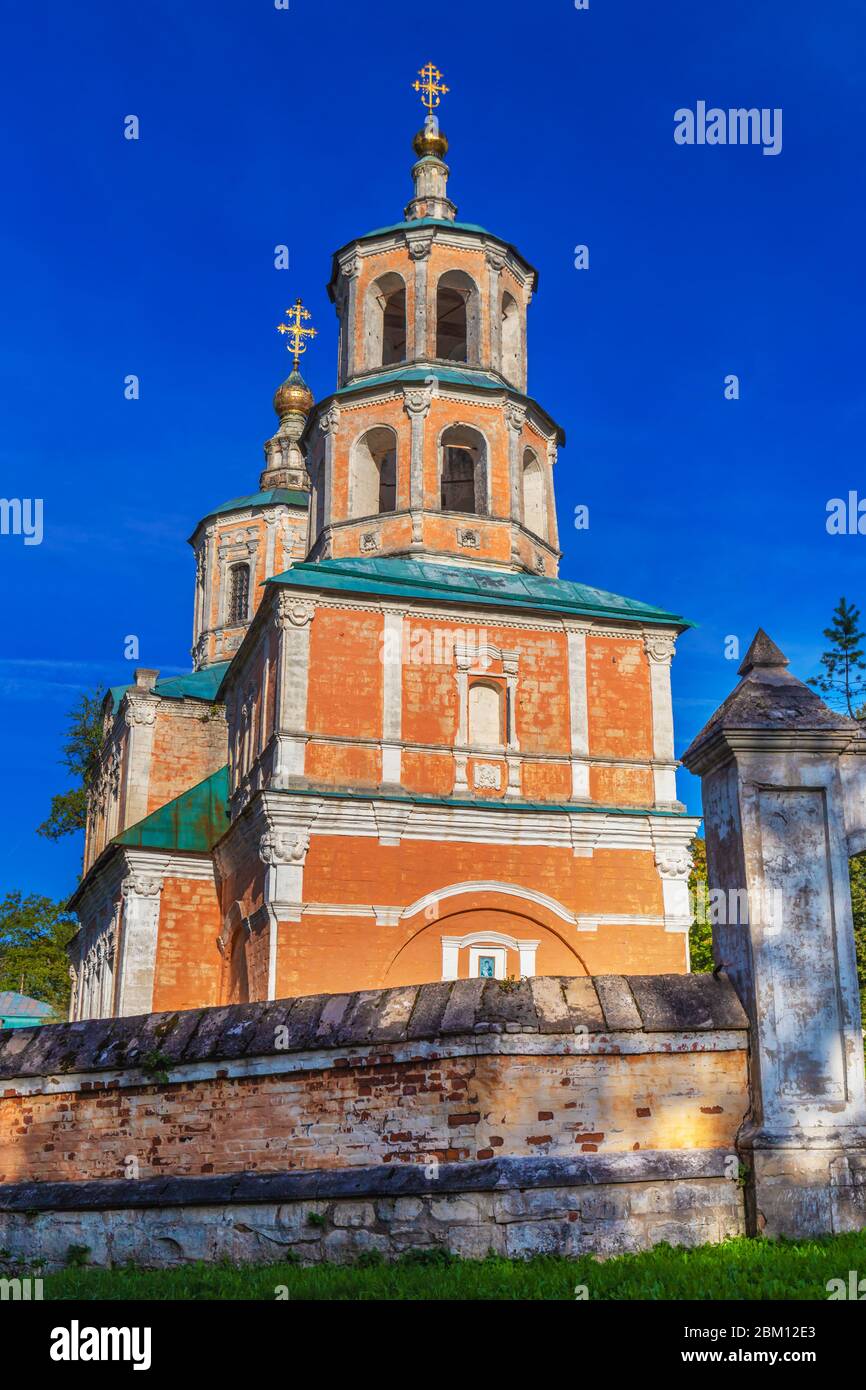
563 1114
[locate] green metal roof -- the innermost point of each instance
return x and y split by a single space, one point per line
193 822
408 578
412 226
14 1005
195 685
427 222
456 375
460 376
282 496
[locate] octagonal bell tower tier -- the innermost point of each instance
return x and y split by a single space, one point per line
430 445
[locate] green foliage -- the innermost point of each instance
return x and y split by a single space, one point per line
34 932
857 870
155 1065
84 738
740 1268
701 931
843 680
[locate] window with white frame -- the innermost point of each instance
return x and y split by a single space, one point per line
485 955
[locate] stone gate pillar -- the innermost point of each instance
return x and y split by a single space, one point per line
771 760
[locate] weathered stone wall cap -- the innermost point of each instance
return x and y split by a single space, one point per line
374 1018
382 1180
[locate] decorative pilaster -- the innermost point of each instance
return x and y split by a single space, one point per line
329 424
349 270
659 647
515 418
416 403
495 261
283 850
419 250
140 717
141 902
674 864
293 617
578 705
392 697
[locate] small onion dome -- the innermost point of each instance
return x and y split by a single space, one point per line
430 140
293 397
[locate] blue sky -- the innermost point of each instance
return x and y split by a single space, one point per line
262 126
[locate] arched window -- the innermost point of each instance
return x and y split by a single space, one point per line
511 346
457 318
464 471
385 322
486 715
534 501
373 473
239 593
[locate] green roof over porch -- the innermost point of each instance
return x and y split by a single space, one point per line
192 823
407 578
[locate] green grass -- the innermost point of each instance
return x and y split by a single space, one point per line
739 1268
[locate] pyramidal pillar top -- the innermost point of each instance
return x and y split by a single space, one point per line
430 173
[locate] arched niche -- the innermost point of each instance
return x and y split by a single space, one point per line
463 471
486 714
458 318
534 495
373 473
385 321
511 340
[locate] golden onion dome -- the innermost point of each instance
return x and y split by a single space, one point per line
430 141
293 397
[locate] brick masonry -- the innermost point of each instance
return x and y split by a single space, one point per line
608 1109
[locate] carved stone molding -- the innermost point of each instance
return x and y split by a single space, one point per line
141 886
673 862
284 846
140 711
419 247
291 609
417 399
515 415
329 423
659 647
350 267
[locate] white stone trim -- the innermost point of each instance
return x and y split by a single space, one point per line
633 1044
577 830
487 943
512 890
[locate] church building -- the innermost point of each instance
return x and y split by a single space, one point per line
407 750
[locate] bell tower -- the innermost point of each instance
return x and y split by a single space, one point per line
430 445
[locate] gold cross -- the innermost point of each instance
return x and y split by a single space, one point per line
431 86
296 315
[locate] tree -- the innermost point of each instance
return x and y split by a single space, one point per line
701 931
857 869
34 932
81 756
844 676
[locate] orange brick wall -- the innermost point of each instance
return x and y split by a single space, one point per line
189 744
188 965
329 954
388 1112
619 698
